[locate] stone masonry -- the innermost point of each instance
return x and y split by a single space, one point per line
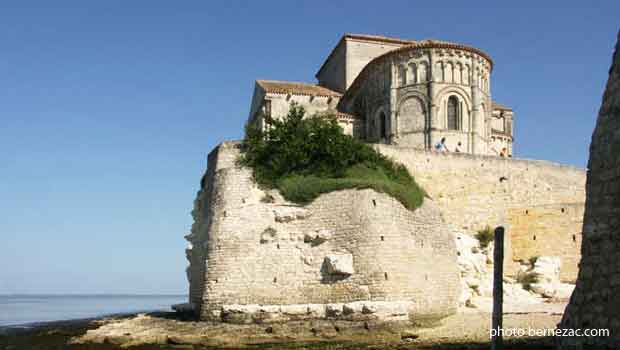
349 254
540 202
253 254
595 303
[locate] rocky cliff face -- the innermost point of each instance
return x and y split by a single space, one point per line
595 302
353 254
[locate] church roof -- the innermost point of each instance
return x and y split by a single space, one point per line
342 115
501 107
367 37
378 38
296 88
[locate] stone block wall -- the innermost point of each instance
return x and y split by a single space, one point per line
534 198
548 230
595 303
268 258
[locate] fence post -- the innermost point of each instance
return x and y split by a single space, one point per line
498 288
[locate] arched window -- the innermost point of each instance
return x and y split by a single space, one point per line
413 68
453 113
423 72
383 126
449 73
402 75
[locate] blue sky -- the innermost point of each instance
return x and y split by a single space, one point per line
108 110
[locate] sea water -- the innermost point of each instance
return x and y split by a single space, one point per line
28 309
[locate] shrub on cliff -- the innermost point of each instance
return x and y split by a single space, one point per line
305 157
485 236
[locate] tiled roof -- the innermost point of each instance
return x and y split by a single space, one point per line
339 115
501 106
296 88
379 38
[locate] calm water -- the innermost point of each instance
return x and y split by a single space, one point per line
22 309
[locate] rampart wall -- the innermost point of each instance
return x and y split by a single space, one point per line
541 202
352 254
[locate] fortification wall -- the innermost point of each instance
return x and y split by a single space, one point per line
541 202
273 259
595 303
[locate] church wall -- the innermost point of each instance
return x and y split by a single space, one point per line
373 101
262 257
499 141
333 73
533 197
413 87
281 104
359 53
257 103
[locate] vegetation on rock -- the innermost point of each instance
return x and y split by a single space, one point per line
485 237
304 157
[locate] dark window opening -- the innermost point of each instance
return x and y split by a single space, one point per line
268 108
453 112
383 123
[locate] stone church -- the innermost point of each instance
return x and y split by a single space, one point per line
400 92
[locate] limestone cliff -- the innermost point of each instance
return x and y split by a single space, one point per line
595 303
352 254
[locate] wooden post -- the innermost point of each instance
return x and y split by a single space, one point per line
498 288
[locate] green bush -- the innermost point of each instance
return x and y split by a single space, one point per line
485 236
305 157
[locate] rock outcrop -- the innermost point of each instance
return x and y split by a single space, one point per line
595 302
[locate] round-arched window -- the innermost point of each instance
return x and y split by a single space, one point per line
453 113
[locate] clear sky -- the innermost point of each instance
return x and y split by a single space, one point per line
108 110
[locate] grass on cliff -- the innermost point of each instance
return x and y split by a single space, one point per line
485 236
305 157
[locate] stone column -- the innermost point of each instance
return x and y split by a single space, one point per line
595 303
393 104
475 99
431 100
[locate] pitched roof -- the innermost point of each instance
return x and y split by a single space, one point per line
501 106
367 37
378 38
296 88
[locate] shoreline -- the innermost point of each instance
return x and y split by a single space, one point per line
169 330
57 323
